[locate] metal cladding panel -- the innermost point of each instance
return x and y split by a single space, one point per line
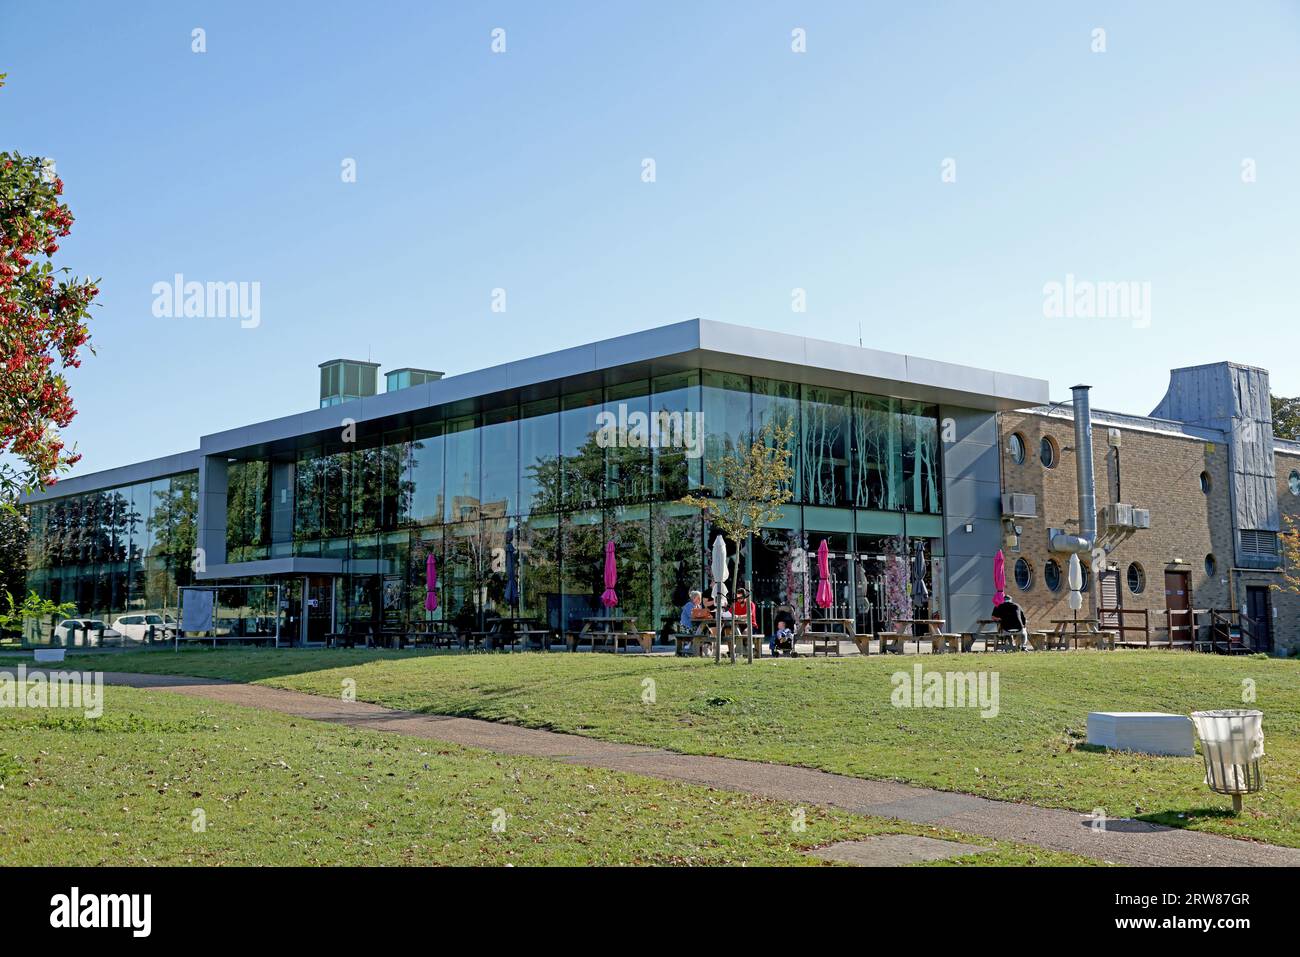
971 496
1235 399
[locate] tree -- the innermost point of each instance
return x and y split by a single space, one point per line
1290 539
33 608
1286 417
13 550
755 484
42 323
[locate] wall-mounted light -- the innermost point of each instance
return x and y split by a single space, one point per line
969 528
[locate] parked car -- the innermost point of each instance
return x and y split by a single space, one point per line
136 627
86 632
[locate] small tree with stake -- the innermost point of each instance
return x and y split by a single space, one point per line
755 484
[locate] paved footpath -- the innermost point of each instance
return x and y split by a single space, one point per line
1122 842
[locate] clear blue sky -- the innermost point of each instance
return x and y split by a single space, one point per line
775 170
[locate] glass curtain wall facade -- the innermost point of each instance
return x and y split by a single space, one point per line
516 502
114 551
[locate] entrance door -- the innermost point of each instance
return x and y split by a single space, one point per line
319 599
1260 612
1178 605
1109 599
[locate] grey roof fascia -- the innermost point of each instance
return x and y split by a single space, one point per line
145 471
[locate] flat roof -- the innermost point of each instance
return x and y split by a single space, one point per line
682 345
695 343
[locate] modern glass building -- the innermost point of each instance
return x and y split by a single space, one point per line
515 477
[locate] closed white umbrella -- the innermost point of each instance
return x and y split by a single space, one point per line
719 570
1076 583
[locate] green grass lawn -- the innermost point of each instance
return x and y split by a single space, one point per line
123 789
837 715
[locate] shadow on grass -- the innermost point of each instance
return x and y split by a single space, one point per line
1182 819
241 664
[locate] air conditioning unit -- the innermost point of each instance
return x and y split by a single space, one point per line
1019 505
1119 515
1141 518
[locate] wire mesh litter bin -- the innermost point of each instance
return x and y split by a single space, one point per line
1232 743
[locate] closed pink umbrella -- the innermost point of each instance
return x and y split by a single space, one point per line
431 583
999 578
609 598
824 575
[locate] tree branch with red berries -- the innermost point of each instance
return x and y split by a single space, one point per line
43 316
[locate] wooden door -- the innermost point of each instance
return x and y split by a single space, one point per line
1109 600
1178 605
1260 612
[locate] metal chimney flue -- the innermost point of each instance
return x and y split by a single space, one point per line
1083 474
1087 488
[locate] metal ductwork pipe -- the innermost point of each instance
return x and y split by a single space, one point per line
1083 476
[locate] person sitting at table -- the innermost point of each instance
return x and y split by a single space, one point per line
742 608
1011 618
694 601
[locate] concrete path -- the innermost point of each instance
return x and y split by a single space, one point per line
1122 841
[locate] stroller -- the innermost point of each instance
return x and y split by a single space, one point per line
783 631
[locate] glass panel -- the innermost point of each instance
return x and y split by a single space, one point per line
426 475
463 568
920 430
425 542
626 440
366 481
680 435
582 568
582 460
539 445
824 450
395 505
500 462
878 453
678 564
537 541
776 403
727 421
629 528
462 443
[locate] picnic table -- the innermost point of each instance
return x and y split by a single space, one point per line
989 630
1087 631
434 632
733 630
608 629
931 628
826 632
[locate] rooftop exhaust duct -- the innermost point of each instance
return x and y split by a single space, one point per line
1083 475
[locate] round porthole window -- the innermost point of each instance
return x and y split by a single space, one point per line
1137 579
1016 446
1210 565
1206 484
1024 574
1048 452
1052 575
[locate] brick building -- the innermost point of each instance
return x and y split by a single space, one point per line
1189 502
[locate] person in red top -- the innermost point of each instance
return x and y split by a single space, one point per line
741 607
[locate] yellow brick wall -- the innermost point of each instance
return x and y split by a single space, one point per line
1286 602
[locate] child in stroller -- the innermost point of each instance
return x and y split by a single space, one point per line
782 640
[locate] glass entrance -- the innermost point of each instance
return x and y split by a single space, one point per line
319 611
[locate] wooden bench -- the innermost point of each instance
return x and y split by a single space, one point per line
944 643
891 642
